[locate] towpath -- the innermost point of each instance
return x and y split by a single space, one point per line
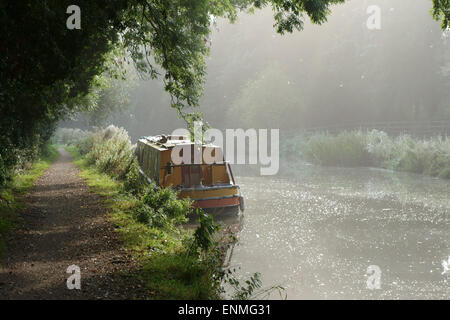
63 225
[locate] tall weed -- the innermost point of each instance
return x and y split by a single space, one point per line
110 150
376 148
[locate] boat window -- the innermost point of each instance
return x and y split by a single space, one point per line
169 167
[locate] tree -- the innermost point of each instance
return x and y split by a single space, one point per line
110 97
441 12
47 70
272 100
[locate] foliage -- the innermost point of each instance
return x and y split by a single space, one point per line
376 148
111 151
160 207
404 153
345 149
327 72
85 145
177 276
244 293
49 74
178 42
25 178
255 103
292 148
133 180
203 240
47 69
176 263
110 97
288 14
441 12
382 147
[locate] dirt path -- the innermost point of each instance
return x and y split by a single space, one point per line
65 224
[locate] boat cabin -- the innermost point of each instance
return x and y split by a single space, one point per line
209 183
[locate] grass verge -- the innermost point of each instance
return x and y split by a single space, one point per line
11 202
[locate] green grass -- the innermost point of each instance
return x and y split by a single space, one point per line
11 202
178 276
25 180
166 268
99 182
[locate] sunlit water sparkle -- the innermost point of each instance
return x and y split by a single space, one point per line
317 231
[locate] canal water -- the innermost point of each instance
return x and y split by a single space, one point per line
317 230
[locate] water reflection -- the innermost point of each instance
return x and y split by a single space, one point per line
317 232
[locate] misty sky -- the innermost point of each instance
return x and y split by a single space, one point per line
326 74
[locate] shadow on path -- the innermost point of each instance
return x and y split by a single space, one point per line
65 224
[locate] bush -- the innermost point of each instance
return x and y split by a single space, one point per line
375 148
161 208
293 147
133 181
347 149
85 146
110 150
419 156
381 148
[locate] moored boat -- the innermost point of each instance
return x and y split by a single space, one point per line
209 184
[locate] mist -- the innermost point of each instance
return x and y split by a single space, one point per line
322 170
338 72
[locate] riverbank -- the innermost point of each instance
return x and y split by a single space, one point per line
174 262
165 266
372 149
11 196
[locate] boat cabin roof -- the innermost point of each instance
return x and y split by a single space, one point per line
166 142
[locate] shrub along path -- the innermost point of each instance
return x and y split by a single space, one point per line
65 224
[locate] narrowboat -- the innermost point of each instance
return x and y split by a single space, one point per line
209 184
